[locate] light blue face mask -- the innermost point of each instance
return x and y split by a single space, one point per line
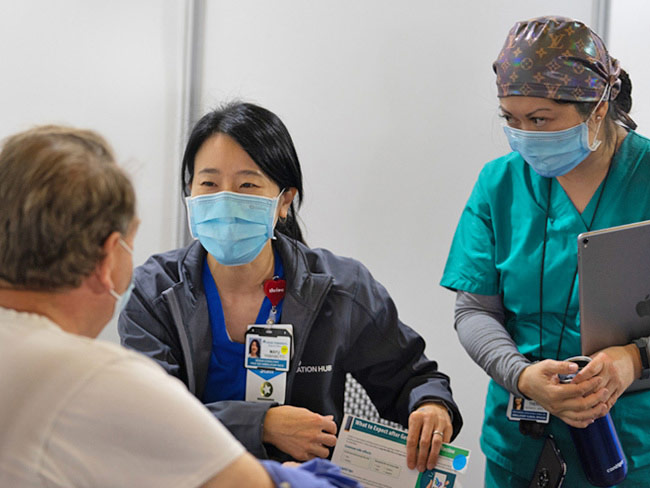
554 153
232 227
121 300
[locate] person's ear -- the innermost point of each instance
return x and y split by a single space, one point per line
285 201
601 112
103 275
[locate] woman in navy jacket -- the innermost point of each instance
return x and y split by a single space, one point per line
191 307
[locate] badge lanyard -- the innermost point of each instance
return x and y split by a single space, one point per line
531 416
268 363
274 289
575 274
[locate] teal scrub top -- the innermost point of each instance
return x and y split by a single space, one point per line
497 250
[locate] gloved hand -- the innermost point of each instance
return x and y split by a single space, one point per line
317 473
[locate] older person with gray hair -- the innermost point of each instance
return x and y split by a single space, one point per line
76 412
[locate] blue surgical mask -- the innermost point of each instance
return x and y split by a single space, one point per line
232 227
121 300
554 153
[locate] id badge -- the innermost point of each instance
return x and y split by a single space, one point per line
520 408
268 348
268 352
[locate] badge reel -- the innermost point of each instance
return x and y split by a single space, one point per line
268 351
531 415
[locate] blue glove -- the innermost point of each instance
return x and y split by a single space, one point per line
317 473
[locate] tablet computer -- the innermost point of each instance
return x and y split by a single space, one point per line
614 271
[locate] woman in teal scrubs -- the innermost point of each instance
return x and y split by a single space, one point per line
576 165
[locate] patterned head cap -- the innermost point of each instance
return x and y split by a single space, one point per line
556 58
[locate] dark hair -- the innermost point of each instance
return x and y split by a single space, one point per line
250 346
618 110
265 138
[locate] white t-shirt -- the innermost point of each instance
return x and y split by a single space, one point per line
75 412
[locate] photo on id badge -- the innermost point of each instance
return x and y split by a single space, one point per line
523 409
254 348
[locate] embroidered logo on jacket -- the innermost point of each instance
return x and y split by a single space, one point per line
316 368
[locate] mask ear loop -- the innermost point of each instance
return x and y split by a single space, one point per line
277 217
126 247
596 143
189 217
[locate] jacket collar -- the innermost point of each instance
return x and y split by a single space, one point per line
190 268
302 283
306 293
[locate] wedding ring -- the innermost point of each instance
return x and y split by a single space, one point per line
441 434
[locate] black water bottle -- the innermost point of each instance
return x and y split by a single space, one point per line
599 449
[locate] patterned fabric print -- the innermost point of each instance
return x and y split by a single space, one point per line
358 403
556 58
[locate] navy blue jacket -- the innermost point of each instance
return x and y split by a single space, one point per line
343 321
